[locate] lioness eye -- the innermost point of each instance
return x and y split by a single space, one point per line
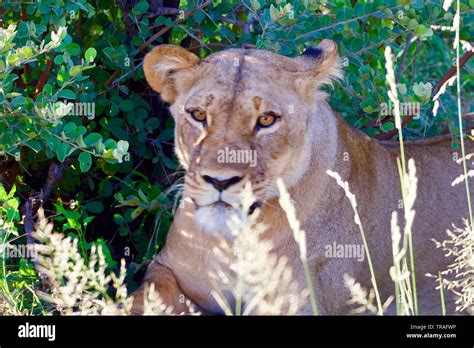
265 121
199 115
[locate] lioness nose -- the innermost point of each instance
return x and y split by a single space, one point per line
221 184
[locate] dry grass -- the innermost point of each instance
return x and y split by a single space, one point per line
259 281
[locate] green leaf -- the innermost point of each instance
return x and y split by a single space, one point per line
412 24
34 145
53 142
90 54
199 16
152 123
20 100
12 59
118 219
274 12
92 139
402 88
48 89
123 231
58 59
44 8
81 130
106 188
136 212
85 161
75 70
63 151
66 94
368 109
95 207
423 90
113 110
126 105
356 44
420 30
388 126
69 128
255 4
62 76
140 8
27 51
73 49
164 21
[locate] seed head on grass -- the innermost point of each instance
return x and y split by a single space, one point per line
77 287
459 275
259 281
363 299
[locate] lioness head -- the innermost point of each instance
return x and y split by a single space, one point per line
242 115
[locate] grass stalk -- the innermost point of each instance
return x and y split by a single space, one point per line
458 87
353 202
441 294
300 238
309 281
393 95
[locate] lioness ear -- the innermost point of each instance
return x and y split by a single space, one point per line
320 65
165 70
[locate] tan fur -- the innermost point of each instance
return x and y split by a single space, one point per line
234 87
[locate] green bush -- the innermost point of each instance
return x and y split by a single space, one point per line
120 179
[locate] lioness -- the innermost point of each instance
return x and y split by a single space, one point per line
254 100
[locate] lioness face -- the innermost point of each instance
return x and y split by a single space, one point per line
241 117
